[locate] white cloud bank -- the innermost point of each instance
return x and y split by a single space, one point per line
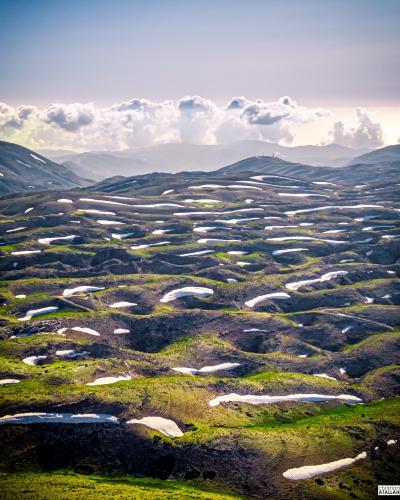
366 134
192 119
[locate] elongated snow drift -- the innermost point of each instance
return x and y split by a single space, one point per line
206 369
268 296
301 398
288 250
49 241
295 285
196 291
122 304
6 381
26 252
108 380
309 471
37 312
68 292
58 418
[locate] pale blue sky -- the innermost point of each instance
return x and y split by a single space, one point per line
321 52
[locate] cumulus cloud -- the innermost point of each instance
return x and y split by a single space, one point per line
141 122
237 103
261 114
14 118
141 105
268 113
69 117
195 104
367 133
196 120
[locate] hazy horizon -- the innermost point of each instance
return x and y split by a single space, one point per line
194 120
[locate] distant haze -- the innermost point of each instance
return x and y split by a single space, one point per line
178 157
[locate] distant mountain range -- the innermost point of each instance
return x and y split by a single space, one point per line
156 183
177 157
24 170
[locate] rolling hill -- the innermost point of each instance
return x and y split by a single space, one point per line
24 170
386 154
358 172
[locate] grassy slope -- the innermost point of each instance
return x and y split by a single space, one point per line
282 437
70 486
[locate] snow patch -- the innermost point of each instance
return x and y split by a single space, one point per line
207 369
108 380
37 312
6 381
36 157
107 202
309 471
270 228
48 241
69 292
262 298
288 250
161 231
89 331
33 360
325 277
330 207
104 222
58 418
324 375
21 228
306 398
347 329
164 425
191 254
215 240
26 252
304 238
146 245
119 305
199 292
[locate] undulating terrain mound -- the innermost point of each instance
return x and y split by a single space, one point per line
353 173
388 153
23 170
235 331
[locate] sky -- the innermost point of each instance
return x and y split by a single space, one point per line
68 70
